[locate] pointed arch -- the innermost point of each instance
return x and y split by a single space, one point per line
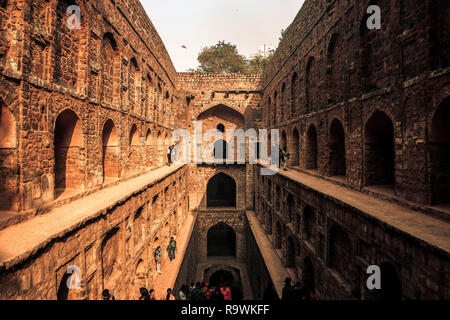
379 151
439 153
69 153
336 148
221 191
221 241
110 142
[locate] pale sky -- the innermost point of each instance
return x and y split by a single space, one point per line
248 24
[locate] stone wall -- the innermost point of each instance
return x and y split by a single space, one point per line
113 249
333 82
61 87
329 243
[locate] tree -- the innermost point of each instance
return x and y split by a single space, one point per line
259 63
222 58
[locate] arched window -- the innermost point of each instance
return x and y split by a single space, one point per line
340 252
283 103
109 54
391 285
290 248
336 147
275 109
439 34
148 148
110 151
9 184
440 153
111 250
134 87
135 150
310 86
67 44
277 236
221 191
69 153
295 91
335 64
295 156
221 128
221 240
311 148
379 154
308 223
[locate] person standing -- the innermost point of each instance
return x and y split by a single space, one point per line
144 294
169 156
171 248
285 158
226 291
106 295
158 257
152 294
169 295
217 295
288 290
183 294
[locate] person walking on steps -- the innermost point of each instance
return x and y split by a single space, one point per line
158 257
172 248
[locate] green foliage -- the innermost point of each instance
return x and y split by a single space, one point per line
225 58
222 58
259 63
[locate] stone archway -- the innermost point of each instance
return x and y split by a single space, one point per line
221 241
69 153
439 150
221 191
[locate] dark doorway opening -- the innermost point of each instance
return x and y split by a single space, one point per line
221 191
221 241
220 278
379 150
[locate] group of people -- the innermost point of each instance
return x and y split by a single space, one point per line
224 292
298 292
200 291
171 250
203 291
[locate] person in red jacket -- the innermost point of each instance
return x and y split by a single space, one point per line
226 292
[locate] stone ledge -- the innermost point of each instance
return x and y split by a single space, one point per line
274 265
422 227
21 241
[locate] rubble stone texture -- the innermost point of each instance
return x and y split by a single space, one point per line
86 116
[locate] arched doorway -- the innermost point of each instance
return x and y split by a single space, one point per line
110 151
220 278
9 184
221 241
295 148
308 222
311 148
134 158
221 191
308 276
290 257
379 154
340 251
277 236
336 145
440 154
391 286
69 153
